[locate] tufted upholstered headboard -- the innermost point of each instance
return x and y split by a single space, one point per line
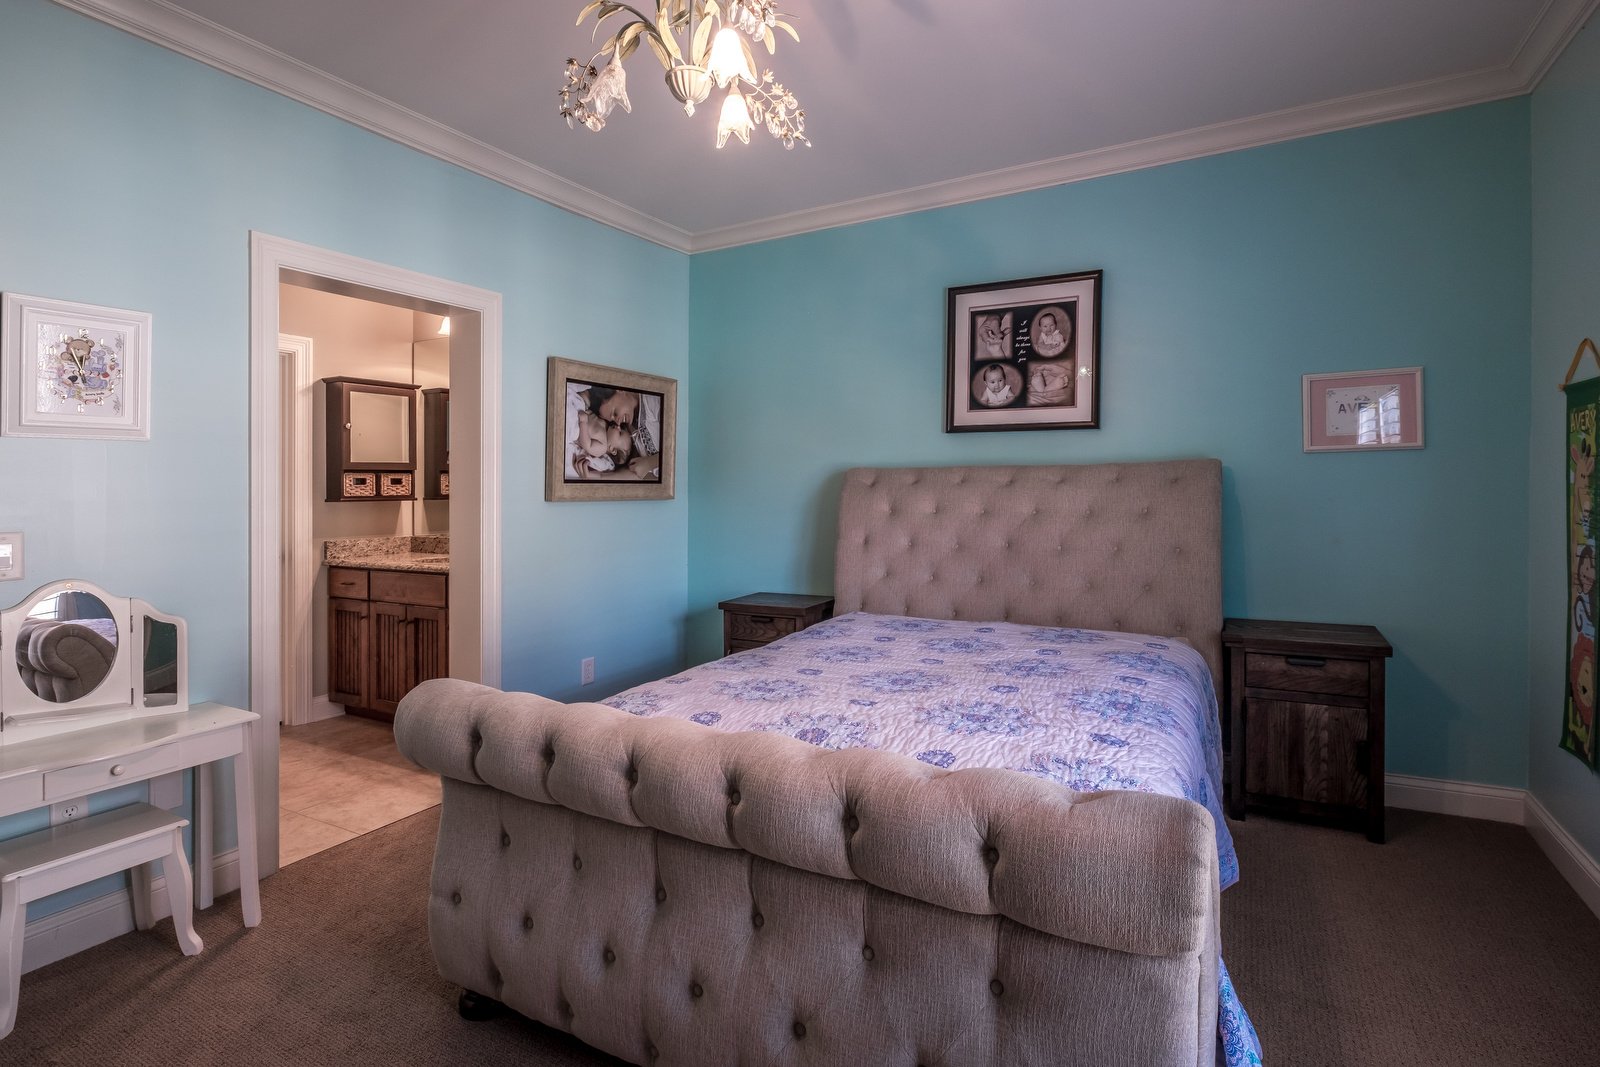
1135 547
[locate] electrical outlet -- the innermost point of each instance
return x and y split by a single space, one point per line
587 670
68 810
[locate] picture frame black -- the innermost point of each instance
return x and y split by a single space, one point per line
1023 354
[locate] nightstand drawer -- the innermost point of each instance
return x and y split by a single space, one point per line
761 628
101 774
1307 674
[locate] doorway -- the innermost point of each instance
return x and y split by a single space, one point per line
279 530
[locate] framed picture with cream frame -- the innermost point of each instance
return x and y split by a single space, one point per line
610 434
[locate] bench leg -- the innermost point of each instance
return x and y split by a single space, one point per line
13 913
180 894
143 913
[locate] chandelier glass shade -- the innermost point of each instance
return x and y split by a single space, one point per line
702 44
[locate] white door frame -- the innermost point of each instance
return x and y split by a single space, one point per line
474 541
299 560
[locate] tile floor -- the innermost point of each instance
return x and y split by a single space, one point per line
339 779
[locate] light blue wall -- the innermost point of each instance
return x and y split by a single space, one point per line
1566 309
1226 279
132 177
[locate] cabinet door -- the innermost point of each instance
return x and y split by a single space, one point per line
430 629
349 636
1307 752
392 656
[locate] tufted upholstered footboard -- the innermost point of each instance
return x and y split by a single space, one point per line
672 894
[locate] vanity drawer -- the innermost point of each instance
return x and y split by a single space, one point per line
403 587
102 774
761 628
1307 674
347 582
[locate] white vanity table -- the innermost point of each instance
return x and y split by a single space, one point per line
77 718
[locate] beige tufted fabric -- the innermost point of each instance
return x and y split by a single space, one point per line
62 661
673 894
1134 547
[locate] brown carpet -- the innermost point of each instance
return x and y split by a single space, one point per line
1456 943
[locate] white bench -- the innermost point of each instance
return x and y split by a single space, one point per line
39 864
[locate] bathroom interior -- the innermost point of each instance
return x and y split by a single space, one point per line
372 600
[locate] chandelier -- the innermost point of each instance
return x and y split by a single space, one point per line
702 44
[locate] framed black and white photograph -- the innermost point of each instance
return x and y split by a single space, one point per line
73 370
610 433
1024 355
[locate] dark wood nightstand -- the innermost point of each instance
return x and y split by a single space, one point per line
1305 702
761 618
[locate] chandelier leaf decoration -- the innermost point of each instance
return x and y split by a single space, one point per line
701 44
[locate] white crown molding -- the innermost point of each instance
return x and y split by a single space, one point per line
1548 37
216 46
161 23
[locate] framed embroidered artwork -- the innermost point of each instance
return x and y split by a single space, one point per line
73 370
610 434
1024 355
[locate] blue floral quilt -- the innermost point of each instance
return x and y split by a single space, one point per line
1089 709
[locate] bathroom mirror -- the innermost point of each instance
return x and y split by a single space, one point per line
380 429
75 655
371 439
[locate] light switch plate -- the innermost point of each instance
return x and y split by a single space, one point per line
10 557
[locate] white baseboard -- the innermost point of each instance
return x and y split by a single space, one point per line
1501 804
322 708
55 937
1576 865
1496 803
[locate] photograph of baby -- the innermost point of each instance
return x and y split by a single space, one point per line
1052 331
612 434
1024 356
609 433
991 336
996 385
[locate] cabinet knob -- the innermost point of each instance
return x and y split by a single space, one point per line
117 769
347 426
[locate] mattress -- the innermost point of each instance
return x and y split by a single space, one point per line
1089 709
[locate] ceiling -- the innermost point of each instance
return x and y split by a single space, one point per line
909 103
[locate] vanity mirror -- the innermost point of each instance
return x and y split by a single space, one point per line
73 656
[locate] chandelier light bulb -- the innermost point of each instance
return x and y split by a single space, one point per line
728 59
735 118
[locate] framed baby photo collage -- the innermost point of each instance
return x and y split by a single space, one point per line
1024 355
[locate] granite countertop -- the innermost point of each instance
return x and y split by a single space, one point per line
426 555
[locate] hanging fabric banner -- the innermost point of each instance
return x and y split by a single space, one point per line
1583 414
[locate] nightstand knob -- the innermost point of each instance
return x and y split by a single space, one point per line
117 769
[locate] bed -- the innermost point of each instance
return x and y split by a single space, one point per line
979 609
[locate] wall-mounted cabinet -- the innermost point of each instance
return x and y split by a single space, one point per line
436 444
371 440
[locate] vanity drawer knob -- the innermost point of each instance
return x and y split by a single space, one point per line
117 769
